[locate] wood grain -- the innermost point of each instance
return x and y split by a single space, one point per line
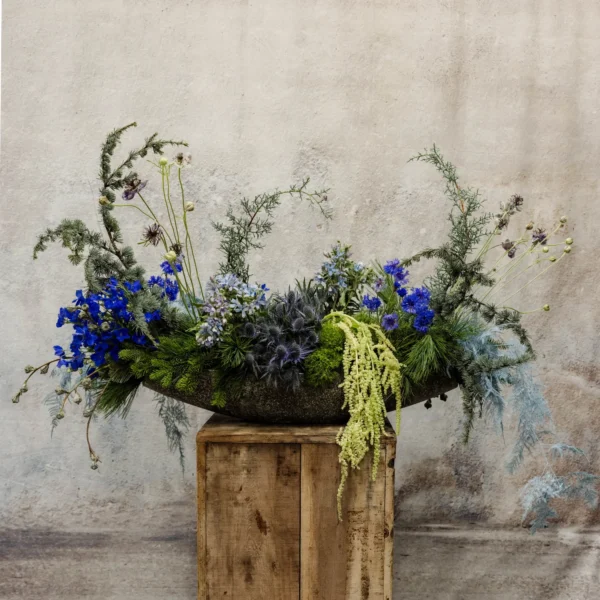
201 507
252 506
389 514
226 429
341 560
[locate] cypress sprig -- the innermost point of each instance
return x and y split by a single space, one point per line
253 221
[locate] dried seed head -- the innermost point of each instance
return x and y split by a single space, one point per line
29 369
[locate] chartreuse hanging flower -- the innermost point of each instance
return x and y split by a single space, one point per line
371 371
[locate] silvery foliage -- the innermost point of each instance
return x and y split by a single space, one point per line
516 388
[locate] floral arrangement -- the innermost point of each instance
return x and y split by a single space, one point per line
362 329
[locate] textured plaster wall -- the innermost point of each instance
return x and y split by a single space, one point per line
267 93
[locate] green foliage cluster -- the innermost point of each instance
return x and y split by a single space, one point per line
323 366
177 362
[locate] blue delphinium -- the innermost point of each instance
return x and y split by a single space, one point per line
102 322
167 267
372 303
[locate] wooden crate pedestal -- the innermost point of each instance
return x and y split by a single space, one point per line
267 520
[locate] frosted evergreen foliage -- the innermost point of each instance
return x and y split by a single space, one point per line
515 388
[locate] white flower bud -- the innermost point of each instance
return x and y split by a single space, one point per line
552 259
163 161
529 225
563 219
545 249
189 206
569 241
171 256
567 249
103 201
546 307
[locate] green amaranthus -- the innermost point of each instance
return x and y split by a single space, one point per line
371 371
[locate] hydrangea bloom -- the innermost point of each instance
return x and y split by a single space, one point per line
228 298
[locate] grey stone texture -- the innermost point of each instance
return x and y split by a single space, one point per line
266 93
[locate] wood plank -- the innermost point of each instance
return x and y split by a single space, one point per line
389 515
252 521
341 560
201 507
220 428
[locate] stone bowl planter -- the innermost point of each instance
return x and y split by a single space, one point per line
256 402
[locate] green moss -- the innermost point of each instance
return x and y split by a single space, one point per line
322 367
331 337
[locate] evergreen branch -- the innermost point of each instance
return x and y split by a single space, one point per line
254 220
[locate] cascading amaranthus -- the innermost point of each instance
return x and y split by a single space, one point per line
371 371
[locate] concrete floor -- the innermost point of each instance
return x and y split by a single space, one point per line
434 562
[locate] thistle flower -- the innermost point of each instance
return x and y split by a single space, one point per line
539 236
133 187
153 234
182 159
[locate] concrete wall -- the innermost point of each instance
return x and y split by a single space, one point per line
266 93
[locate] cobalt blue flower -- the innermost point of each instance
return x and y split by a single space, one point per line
134 287
152 316
167 268
370 303
390 322
401 292
391 266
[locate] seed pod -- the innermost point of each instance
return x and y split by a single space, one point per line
44 369
546 307
569 241
60 415
529 225
563 219
189 206
545 249
29 369
23 389
567 249
552 259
